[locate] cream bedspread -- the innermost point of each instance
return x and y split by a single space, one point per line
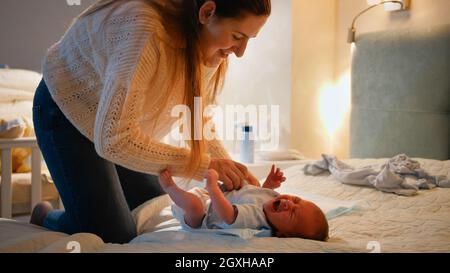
382 222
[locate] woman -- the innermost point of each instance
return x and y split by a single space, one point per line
104 103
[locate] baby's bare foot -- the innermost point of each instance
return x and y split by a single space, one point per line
165 180
212 178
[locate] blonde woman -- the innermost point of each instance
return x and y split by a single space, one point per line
105 100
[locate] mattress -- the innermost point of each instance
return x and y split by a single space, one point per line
380 222
21 191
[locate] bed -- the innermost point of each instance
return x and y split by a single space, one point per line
379 222
393 74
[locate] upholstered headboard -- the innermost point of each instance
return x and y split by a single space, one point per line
401 94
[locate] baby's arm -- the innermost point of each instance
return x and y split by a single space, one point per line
221 205
274 179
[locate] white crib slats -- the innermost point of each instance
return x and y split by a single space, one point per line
36 186
6 193
6 146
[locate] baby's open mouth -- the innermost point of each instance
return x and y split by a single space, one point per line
276 205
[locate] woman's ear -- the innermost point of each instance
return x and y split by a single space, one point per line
206 11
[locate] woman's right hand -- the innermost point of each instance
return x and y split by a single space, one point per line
231 173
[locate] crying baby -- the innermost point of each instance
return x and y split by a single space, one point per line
252 207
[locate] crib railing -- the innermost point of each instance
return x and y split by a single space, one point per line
6 146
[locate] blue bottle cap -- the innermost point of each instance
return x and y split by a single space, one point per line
247 128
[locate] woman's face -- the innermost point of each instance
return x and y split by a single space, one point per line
220 37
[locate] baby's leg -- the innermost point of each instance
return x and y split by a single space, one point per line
191 204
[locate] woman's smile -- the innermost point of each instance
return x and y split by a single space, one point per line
223 54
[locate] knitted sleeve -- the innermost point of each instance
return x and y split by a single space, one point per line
217 150
131 68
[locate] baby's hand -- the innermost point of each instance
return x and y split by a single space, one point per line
274 179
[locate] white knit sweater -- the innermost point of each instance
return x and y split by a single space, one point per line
108 74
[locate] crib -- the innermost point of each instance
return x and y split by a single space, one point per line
6 146
20 192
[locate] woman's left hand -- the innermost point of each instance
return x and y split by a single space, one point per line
231 173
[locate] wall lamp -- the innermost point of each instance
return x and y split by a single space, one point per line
352 29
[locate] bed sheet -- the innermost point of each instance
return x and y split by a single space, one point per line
381 222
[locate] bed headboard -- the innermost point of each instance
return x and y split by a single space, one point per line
401 94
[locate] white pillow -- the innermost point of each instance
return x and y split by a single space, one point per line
20 79
11 95
16 109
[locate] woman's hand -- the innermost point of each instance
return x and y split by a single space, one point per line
231 173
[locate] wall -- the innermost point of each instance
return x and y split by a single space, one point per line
312 70
333 18
263 75
28 28
300 56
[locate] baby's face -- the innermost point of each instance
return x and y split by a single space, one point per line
294 217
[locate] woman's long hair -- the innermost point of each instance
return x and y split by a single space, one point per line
185 14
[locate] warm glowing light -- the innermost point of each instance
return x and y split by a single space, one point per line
352 49
334 104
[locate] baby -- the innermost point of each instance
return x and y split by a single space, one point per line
251 207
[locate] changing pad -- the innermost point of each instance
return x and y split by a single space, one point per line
155 215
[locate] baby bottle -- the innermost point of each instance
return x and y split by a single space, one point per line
247 145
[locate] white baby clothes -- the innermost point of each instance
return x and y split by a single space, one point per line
249 201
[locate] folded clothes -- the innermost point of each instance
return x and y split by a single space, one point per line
400 175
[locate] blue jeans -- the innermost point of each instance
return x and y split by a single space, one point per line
98 195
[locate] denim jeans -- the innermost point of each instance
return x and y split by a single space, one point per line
97 194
